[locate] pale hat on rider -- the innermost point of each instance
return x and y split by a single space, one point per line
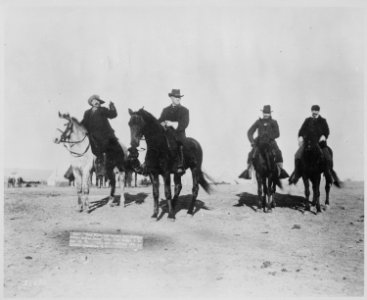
95 97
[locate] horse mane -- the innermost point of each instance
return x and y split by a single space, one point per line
75 121
148 117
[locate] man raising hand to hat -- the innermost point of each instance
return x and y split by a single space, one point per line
267 128
101 134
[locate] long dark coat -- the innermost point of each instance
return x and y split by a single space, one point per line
314 128
178 114
266 127
99 129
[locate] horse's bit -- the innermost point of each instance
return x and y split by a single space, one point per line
65 136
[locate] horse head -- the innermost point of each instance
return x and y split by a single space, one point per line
72 130
136 124
312 151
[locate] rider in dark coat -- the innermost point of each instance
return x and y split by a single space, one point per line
267 129
177 117
101 134
315 128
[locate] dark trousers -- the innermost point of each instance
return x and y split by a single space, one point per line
113 150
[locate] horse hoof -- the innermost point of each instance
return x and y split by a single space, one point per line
154 216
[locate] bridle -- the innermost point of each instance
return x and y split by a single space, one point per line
138 119
65 139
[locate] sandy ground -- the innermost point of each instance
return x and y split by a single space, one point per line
226 250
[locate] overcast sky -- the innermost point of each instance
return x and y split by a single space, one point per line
228 60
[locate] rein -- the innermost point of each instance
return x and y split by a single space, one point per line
73 143
75 154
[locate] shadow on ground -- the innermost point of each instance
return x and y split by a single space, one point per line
281 200
183 203
134 199
128 200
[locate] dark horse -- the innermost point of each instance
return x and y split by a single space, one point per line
266 175
160 160
312 166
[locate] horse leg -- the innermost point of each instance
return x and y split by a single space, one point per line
79 189
154 178
85 186
327 190
195 190
307 191
316 193
273 189
168 194
178 187
259 192
121 176
111 177
269 197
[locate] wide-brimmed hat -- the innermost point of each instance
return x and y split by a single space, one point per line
175 93
96 97
266 109
315 107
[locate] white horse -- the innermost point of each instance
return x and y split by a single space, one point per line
75 139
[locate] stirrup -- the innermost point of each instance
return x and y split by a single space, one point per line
283 174
245 174
293 178
181 170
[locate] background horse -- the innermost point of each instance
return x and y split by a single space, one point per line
75 139
266 175
160 160
12 181
69 175
312 166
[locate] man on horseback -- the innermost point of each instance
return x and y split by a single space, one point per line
101 135
268 129
176 116
314 127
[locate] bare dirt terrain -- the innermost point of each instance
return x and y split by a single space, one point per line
226 250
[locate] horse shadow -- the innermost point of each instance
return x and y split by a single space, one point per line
183 203
100 203
134 199
128 200
281 200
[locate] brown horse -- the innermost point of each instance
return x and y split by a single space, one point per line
160 160
266 175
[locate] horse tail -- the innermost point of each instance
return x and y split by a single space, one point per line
199 159
203 182
336 179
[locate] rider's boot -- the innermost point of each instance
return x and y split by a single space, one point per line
296 173
246 174
142 169
180 165
281 172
